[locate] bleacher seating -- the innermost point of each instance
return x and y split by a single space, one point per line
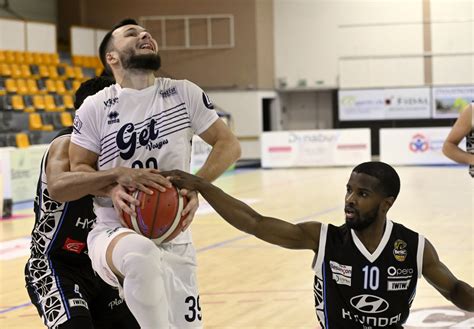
37 94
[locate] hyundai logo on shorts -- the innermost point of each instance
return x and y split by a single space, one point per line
369 303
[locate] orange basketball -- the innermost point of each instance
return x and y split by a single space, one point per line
159 215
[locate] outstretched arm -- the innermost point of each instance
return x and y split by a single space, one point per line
461 129
439 276
244 218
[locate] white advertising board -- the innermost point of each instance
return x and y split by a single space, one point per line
414 146
384 104
25 167
448 102
311 148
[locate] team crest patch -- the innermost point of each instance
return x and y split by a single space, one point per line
207 101
77 125
399 250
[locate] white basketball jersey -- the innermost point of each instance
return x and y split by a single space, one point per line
148 128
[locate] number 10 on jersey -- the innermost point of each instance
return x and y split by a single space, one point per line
371 277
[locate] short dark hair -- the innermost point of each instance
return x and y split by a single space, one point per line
389 181
91 87
106 40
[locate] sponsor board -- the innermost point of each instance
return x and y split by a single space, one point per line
384 104
311 148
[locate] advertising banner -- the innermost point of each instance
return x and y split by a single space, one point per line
449 101
384 104
25 167
414 146
312 148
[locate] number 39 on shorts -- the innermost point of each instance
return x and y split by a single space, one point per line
194 309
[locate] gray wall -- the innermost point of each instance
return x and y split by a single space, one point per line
32 10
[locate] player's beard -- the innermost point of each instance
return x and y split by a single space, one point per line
362 222
132 61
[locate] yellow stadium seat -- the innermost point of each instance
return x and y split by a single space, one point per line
45 59
5 70
68 102
15 71
38 102
32 86
22 140
43 71
77 60
10 86
29 58
78 72
17 103
54 59
69 73
37 58
87 62
19 57
35 122
50 86
9 56
53 72
75 85
49 104
22 87
66 119
2 56
60 88
25 71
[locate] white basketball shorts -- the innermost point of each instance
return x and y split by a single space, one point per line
179 268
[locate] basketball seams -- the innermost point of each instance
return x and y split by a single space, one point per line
176 221
157 206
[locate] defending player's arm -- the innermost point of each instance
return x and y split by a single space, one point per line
244 218
225 150
461 129
439 276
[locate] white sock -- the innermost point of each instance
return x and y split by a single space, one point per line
140 262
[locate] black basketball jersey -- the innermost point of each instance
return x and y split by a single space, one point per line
356 289
60 230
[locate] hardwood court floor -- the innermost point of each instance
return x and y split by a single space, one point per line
246 283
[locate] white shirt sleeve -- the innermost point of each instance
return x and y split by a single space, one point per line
86 127
200 109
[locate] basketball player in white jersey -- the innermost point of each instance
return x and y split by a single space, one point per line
146 122
463 127
366 271
59 277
